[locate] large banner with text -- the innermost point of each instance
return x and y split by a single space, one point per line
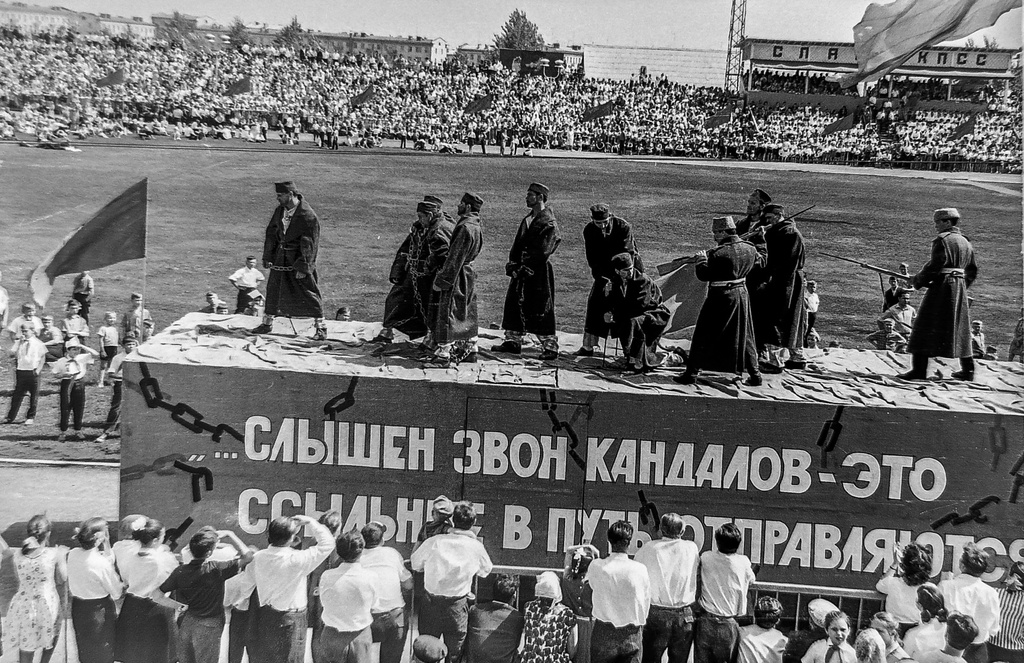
823 494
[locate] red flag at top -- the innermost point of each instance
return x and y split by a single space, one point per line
114 234
479 105
842 124
115 77
683 294
364 96
965 129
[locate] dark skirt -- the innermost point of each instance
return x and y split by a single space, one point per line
145 632
93 620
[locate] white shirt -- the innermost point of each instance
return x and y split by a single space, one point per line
30 354
925 638
347 594
144 573
116 365
761 645
811 299
74 368
449 562
108 335
817 652
279 572
124 549
672 568
91 575
15 326
622 590
900 599
725 580
969 596
286 217
246 278
388 570
939 656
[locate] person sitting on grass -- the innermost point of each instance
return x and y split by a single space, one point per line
887 338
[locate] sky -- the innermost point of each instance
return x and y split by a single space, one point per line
700 24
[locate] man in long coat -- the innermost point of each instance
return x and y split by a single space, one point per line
723 339
605 236
943 325
289 252
755 212
780 318
530 299
637 315
412 272
453 310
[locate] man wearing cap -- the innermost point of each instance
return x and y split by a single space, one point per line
723 339
902 313
412 272
530 299
52 338
289 252
605 236
943 327
449 563
755 212
453 315
246 280
636 314
780 317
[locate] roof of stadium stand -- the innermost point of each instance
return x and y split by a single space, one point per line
701 68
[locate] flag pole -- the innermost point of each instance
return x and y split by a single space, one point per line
145 259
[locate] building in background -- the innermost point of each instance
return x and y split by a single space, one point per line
476 55
30 19
135 27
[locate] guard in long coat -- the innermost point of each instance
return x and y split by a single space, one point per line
289 252
780 312
605 236
454 323
407 307
723 339
637 315
530 299
943 325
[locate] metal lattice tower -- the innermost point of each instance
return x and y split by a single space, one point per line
734 56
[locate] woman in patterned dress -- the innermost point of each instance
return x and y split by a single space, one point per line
550 629
35 613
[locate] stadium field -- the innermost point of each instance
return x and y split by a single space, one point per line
209 208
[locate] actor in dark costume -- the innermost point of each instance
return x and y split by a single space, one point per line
755 212
530 300
723 339
412 272
943 325
453 309
780 317
637 315
605 236
289 252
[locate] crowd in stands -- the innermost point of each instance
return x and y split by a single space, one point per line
183 94
140 599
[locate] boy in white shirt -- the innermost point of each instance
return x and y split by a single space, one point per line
761 642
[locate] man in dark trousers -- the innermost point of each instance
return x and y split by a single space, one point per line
943 326
780 318
723 339
530 300
755 212
412 272
289 252
605 236
636 314
453 308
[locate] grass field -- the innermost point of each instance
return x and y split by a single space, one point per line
209 208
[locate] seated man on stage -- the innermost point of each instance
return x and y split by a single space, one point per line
637 316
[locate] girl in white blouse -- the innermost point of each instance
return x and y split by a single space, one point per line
144 629
94 586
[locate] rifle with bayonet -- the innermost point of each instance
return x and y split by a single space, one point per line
673 265
865 265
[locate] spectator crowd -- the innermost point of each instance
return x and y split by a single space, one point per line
183 94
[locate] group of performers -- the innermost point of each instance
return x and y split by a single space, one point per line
752 320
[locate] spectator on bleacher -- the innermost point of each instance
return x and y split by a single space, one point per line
762 642
671 563
622 599
495 627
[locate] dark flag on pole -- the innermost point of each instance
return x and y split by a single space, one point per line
115 77
717 121
114 234
479 105
842 124
241 86
363 97
965 129
597 112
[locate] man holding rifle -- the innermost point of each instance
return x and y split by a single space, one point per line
943 327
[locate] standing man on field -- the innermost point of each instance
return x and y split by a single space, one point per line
246 280
289 252
943 325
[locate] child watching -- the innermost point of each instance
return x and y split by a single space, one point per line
887 338
834 648
71 370
761 642
129 343
109 338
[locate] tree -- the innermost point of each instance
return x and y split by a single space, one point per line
179 31
520 33
990 42
291 35
238 34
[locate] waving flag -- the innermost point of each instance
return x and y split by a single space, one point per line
683 294
480 105
241 86
115 77
364 96
597 112
965 129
